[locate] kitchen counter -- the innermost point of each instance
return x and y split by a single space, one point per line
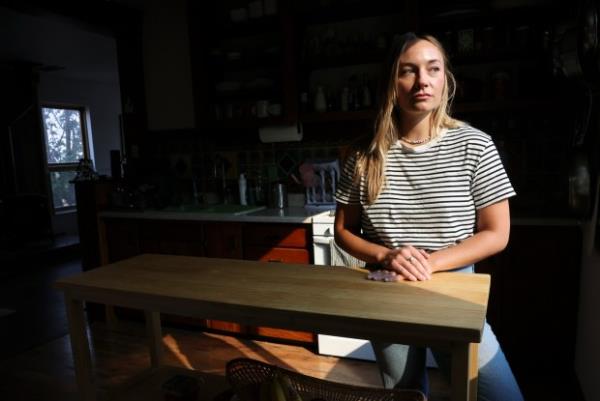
286 215
291 215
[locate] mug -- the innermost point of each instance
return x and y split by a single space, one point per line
262 108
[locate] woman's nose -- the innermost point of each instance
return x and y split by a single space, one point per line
422 80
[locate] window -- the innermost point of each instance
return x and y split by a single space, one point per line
66 144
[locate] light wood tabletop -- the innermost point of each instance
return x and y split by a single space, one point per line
447 311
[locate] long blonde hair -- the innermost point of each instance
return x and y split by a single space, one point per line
370 162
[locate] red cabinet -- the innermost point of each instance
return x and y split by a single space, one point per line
281 243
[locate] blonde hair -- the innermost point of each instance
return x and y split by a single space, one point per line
370 162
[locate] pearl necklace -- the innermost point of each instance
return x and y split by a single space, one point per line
417 142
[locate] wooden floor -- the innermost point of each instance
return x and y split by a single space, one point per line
46 372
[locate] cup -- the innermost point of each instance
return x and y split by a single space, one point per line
262 109
274 109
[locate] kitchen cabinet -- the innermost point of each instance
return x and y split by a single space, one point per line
171 237
224 240
91 197
281 243
121 237
167 70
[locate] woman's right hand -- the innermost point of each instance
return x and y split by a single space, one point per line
409 263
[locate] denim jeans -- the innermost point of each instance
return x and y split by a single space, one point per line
403 366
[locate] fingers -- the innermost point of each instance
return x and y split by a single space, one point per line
409 262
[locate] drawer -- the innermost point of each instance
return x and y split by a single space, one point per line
323 229
276 255
277 235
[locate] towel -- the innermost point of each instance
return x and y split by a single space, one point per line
339 257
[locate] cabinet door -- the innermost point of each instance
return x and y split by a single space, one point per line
171 237
277 235
276 255
278 243
224 240
122 239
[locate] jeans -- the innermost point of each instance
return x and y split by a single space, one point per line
403 366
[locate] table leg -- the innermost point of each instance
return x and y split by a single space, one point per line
154 333
464 372
80 347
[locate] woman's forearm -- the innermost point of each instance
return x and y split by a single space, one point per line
478 247
359 247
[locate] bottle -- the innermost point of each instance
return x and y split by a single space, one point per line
320 100
242 185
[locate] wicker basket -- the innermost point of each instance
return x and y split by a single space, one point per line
246 375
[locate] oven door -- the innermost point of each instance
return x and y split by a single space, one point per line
322 250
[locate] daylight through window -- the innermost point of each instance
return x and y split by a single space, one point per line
66 144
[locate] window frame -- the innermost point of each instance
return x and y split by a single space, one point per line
58 167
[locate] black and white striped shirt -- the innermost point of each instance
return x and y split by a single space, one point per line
431 192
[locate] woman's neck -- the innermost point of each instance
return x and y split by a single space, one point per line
415 128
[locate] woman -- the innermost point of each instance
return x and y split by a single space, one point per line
430 194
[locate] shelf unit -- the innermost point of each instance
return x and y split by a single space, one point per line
248 61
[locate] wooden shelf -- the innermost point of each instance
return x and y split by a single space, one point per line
322 63
251 27
503 105
250 123
147 385
353 11
336 116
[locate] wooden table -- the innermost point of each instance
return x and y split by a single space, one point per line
447 311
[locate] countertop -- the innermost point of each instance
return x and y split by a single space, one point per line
286 215
296 215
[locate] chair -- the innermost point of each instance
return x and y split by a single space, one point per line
245 376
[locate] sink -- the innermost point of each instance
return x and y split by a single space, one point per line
236 210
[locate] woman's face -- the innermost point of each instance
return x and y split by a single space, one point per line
421 78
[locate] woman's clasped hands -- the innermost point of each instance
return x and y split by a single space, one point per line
404 263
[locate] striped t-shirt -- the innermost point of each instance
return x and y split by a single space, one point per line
431 192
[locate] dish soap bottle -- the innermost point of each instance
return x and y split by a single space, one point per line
242 185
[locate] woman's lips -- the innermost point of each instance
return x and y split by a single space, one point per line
422 96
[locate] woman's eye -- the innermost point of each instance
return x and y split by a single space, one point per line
435 69
405 71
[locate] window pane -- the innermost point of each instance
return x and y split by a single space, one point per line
63 192
64 143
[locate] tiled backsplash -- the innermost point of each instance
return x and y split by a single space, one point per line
535 150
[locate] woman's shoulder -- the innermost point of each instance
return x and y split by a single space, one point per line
466 132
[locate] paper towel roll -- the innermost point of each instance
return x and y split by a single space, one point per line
280 133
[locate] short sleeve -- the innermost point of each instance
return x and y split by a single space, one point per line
348 192
490 181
